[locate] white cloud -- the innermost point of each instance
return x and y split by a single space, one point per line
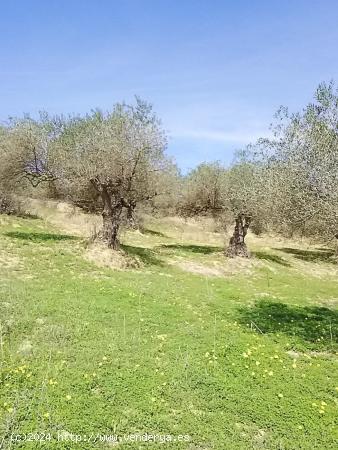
244 137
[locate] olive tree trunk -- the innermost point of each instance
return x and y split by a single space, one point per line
111 214
237 245
110 231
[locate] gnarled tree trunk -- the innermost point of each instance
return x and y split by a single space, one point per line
110 231
237 245
111 214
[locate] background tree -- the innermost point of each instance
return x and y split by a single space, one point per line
300 175
24 148
229 195
289 184
24 155
203 190
170 187
243 201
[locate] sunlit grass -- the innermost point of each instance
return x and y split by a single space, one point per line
245 360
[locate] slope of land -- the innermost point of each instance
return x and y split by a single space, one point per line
169 339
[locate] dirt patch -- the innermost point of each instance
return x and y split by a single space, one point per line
329 302
312 354
105 257
66 208
326 354
321 271
228 267
192 267
8 261
25 348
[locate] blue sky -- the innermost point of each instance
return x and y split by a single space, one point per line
216 71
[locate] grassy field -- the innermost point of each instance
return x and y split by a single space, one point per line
227 354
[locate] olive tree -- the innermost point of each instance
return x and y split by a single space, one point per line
301 168
289 183
120 155
203 190
243 201
24 158
24 151
228 194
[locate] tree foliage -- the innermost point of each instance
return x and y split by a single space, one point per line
203 190
300 168
116 161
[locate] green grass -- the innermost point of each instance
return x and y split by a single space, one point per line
247 361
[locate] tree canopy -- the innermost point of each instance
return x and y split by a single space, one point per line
113 162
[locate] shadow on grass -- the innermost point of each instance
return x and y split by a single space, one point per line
153 233
325 255
40 237
271 258
309 323
27 215
146 255
204 249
